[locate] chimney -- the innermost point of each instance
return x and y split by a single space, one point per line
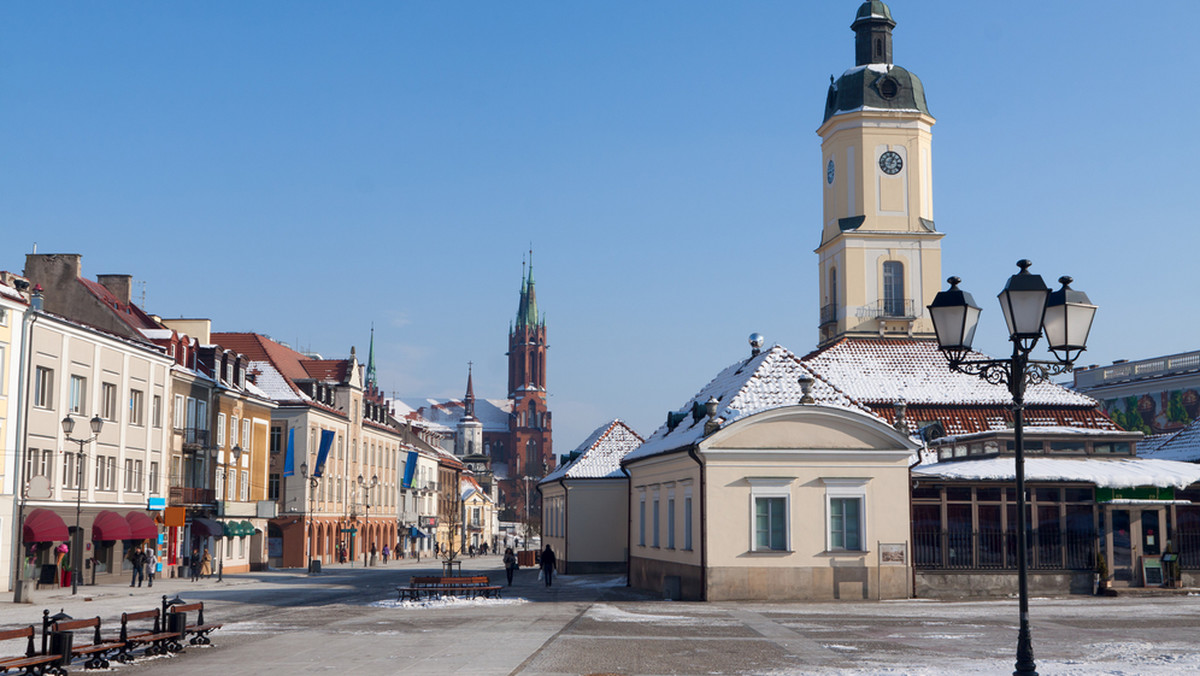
120 286
53 271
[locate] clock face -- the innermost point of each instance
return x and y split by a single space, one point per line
829 173
891 163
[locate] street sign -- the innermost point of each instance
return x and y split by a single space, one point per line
351 531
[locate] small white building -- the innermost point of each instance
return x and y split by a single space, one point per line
585 516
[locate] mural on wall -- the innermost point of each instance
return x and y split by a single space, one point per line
1155 413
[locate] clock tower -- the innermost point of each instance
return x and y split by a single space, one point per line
880 254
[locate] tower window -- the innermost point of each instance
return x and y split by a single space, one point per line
893 289
878 48
889 88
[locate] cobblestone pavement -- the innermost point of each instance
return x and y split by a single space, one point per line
346 619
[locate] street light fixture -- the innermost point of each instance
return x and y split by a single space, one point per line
368 485
312 495
68 426
1030 309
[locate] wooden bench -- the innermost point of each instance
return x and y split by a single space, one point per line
156 640
429 587
200 629
96 652
31 662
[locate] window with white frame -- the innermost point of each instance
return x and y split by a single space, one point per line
3 361
137 407
153 478
671 519
642 519
220 430
244 495
43 387
179 413
137 476
770 507
246 434
156 411
687 518
78 401
654 519
108 401
845 503
128 474
220 485
233 430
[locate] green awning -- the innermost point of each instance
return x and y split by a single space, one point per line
247 528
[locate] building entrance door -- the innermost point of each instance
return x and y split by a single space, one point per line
1130 534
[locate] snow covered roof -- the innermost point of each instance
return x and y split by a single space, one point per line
1183 445
272 383
1103 473
600 454
157 334
764 381
888 370
493 413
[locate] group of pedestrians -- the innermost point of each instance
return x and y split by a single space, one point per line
546 563
144 561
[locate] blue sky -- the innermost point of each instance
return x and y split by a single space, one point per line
307 169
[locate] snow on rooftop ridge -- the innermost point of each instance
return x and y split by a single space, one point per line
272 383
600 454
1183 446
1103 473
767 380
156 334
878 371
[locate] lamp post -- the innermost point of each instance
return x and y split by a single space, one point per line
312 484
236 453
68 426
367 486
1030 309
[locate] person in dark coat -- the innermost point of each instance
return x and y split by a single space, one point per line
548 560
510 564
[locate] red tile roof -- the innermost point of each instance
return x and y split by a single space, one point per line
130 314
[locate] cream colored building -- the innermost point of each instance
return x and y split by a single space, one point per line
13 317
585 517
757 490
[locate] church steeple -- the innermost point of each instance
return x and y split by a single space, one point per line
469 400
873 33
372 380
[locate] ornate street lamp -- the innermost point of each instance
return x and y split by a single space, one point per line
312 495
1065 317
367 485
68 426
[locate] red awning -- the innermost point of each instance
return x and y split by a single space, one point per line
43 525
110 526
141 527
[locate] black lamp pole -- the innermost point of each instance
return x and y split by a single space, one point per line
68 426
1030 309
312 496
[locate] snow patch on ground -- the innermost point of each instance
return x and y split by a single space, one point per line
447 602
593 581
605 613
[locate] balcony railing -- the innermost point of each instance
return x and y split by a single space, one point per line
894 308
194 436
829 314
179 496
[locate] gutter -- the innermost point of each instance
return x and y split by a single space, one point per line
18 558
912 590
691 451
566 522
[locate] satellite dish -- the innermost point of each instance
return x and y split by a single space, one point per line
38 488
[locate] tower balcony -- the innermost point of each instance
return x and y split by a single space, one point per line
829 314
894 308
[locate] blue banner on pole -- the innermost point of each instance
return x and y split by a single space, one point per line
289 460
326 444
410 468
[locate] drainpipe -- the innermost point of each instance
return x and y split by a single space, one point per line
911 537
566 524
24 373
703 526
628 522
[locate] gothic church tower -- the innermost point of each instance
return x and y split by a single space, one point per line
880 254
531 452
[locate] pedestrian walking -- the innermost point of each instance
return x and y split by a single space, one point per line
548 559
194 563
138 560
386 552
373 553
510 564
206 564
151 562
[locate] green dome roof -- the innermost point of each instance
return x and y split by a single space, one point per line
873 9
876 87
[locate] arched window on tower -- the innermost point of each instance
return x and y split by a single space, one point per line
893 289
531 457
878 48
833 290
532 420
